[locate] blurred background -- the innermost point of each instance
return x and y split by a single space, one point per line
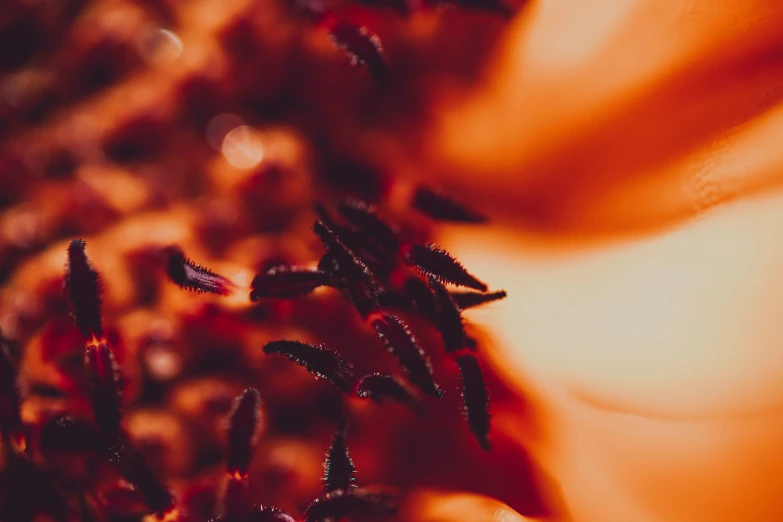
217 125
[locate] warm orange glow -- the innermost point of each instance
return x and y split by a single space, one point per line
237 476
171 515
627 152
242 148
642 256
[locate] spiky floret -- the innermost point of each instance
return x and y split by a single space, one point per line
190 276
321 361
468 299
104 389
362 47
82 288
437 205
339 470
243 430
380 387
285 281
358 502
475 399
401 343
448 318
434 261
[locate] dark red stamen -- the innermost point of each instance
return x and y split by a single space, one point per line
349 270
243 429
357 503
105 395
69 435
285 281
10 395
135 469
268 514
401 343
448 319
362 47
321 361
339 468
470 299
378 387
441 207
190 276
365 218
433 261
83 290
475 399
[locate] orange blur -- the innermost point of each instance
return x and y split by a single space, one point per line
633 149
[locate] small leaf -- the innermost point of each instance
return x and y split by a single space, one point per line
83 290
437 262
339 468
475 399
190 276
401 343
441 207
318 360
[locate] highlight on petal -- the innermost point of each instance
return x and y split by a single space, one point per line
243 430
404 346
105 395
358 503
381 387
286 281
190 276
83 291
475 399
468 299
439 206
321 361
339 469
362 47
437 262
448 318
